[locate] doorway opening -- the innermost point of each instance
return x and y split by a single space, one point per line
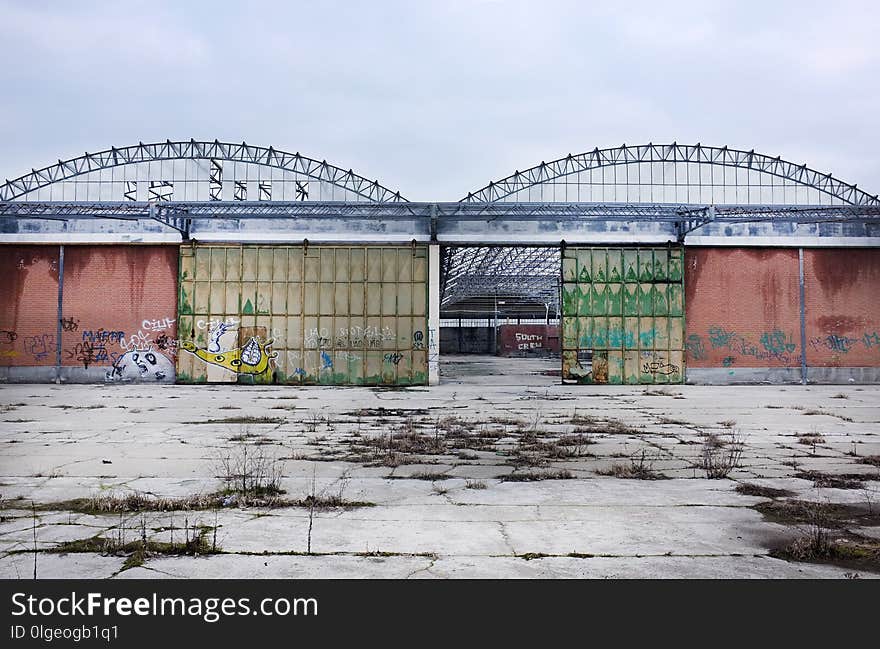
500 311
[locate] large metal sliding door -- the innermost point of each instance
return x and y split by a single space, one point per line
353 315
622 315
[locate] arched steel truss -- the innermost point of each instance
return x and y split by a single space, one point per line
470 274
547 172
369 190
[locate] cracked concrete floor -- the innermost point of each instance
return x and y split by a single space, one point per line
452 513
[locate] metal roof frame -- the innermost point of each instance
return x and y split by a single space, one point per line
547 172
321 170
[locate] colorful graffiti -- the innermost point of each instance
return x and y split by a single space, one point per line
695 347
616 338
775 345
844 344
777 342
254 357
102 335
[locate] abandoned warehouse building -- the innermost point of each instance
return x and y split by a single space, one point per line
213 262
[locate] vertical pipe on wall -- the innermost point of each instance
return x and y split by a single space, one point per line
803 317
60 314
433 314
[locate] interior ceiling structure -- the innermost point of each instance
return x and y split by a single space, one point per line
502 279
651 173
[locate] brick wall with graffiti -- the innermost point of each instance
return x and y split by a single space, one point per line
118 315
120 311
528 340
28 306
842 299
743 307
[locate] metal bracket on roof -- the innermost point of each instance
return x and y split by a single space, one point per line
175 218
692 220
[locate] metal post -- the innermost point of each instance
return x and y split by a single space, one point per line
495 328
803 317
60 314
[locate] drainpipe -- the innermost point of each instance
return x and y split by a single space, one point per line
803 317
60 314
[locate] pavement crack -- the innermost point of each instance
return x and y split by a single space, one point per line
427 568
506 537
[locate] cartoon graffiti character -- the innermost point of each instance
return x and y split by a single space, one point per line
251 358
216 332
141 365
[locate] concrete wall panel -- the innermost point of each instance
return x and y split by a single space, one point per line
742 308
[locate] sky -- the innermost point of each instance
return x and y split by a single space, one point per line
437 98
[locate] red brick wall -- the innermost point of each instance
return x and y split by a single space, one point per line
118 298
742 307
842 291
527 339
28 305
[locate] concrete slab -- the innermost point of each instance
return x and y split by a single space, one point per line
76 441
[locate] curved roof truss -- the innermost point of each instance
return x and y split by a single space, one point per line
548 173
216 152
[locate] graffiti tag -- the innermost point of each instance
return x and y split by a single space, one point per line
157 325
40 346
69 324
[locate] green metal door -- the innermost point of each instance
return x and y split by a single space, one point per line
622 315
338 315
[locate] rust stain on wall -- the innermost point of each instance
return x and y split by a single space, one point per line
839 270
842 308
28 305
119 301
742 307
840 323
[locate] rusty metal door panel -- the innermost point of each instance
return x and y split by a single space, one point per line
322 314
622 315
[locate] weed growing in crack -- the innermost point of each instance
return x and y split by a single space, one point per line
535 476
640 467
718 460
249 472
312 422
751 489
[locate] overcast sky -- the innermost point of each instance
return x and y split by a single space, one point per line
438 98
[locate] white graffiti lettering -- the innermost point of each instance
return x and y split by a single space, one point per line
231 321
158 324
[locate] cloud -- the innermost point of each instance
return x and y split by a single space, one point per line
437 98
